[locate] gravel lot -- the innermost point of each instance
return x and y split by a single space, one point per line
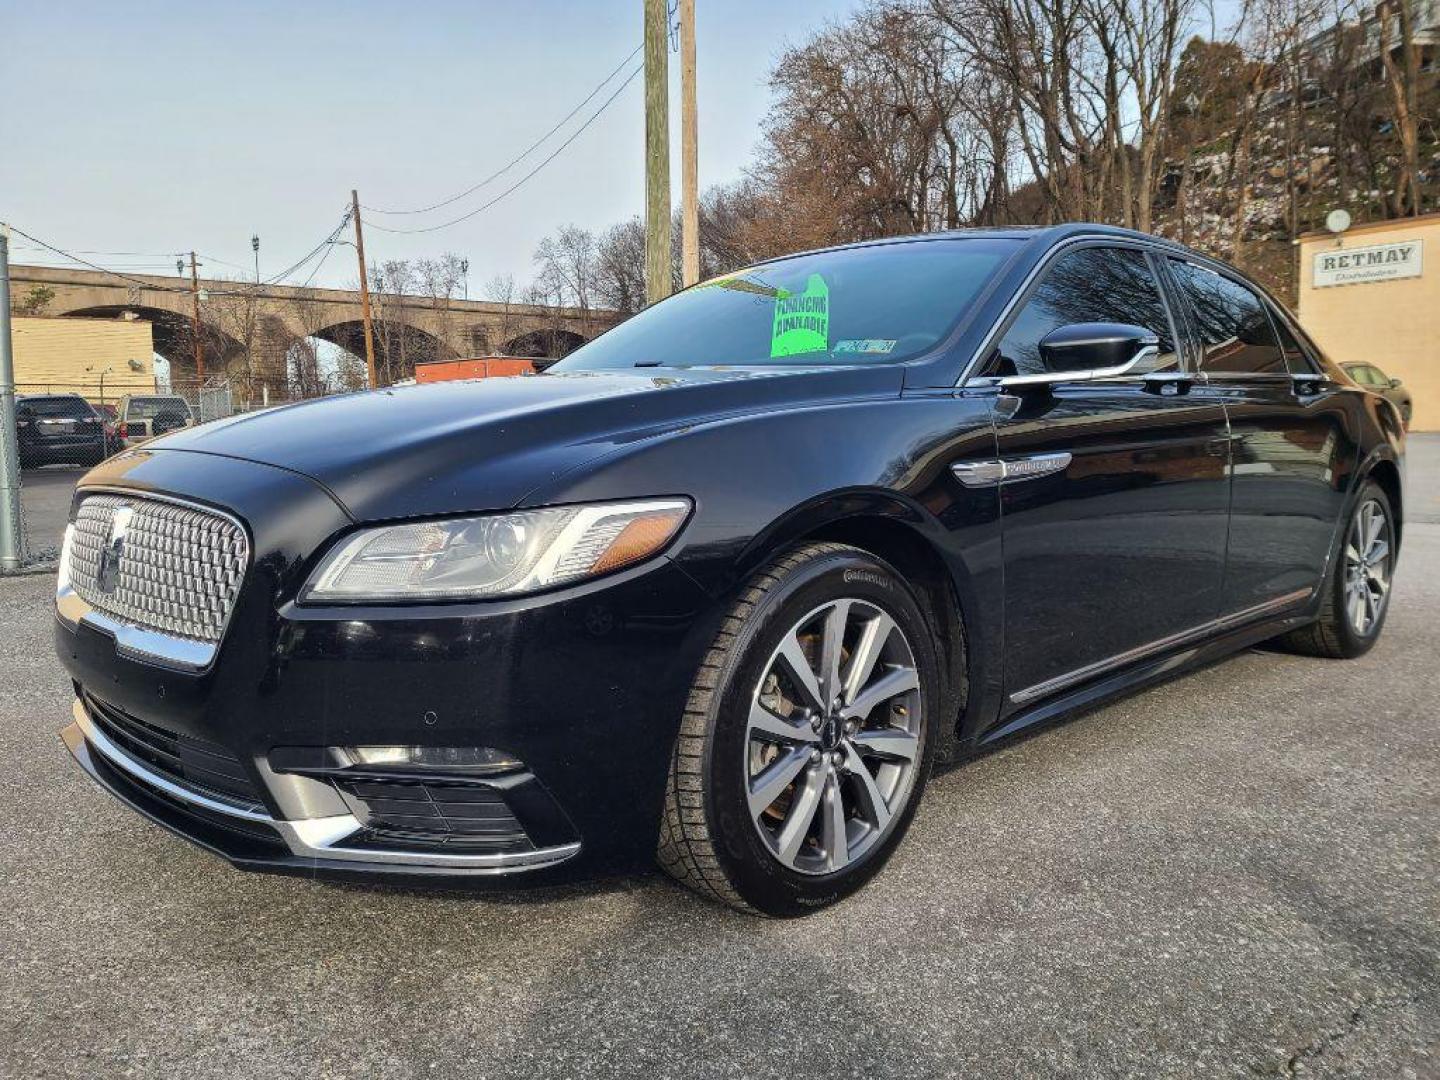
1234 874
45 502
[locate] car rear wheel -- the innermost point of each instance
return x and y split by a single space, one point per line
806 742
1357 592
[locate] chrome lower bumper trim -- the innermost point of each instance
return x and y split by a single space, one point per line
322 837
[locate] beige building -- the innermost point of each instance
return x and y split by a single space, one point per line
103 359
1373 293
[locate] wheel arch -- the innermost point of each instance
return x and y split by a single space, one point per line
1386 472
903 535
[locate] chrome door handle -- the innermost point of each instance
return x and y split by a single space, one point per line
1168 382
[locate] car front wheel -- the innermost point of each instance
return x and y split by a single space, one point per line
806 742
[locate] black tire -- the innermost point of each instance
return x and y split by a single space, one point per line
708 839
1333 634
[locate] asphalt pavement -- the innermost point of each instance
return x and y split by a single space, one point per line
45 503
1236 873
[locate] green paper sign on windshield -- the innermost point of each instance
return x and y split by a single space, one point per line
802 320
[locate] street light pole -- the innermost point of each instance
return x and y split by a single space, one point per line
12 536
255 247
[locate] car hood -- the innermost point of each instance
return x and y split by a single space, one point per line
484 444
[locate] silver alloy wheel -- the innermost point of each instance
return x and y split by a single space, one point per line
833 738
1367 567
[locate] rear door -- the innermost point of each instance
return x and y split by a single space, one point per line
1291 456
1114 515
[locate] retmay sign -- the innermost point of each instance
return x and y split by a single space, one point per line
1357 266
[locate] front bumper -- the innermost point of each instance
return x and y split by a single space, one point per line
253 839
584 686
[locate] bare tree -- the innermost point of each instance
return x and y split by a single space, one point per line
1403 77
501 289
620 265
567 266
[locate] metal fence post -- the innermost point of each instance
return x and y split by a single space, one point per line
12 535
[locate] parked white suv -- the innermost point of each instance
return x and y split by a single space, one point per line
144 416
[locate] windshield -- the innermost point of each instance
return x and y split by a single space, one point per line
150 408
869 305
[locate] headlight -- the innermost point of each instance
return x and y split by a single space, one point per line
494 555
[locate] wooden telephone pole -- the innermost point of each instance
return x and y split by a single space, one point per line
195 320
657 151
364 292
689 152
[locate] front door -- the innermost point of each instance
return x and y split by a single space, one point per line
1114 507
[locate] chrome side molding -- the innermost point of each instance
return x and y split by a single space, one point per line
1194 636
976 474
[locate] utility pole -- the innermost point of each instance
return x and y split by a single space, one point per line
195 321
657 151
689 152
364 291
12 536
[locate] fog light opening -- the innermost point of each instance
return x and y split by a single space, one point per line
469 760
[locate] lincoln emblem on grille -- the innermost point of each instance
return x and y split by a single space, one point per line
107 575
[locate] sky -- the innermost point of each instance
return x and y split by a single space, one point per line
156 127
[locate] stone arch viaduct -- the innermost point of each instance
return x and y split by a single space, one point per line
250 332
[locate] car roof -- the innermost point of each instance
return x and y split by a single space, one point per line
1044 236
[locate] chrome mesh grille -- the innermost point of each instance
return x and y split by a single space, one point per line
179 571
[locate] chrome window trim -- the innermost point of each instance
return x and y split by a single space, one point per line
1194 635
1147 247
317 837
1276 312
140 642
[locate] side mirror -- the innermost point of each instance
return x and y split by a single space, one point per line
1093 351
1394 384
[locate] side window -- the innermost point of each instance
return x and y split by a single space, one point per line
1234 330
1090 285
1297 361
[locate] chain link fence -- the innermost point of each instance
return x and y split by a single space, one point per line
65 428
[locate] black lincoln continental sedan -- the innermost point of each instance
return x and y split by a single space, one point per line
724 584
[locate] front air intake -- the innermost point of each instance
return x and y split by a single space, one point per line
456 815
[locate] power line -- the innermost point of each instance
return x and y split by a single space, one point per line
93 266
554 154
74 257
222 262
523 155
324 244
135 254
328 249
